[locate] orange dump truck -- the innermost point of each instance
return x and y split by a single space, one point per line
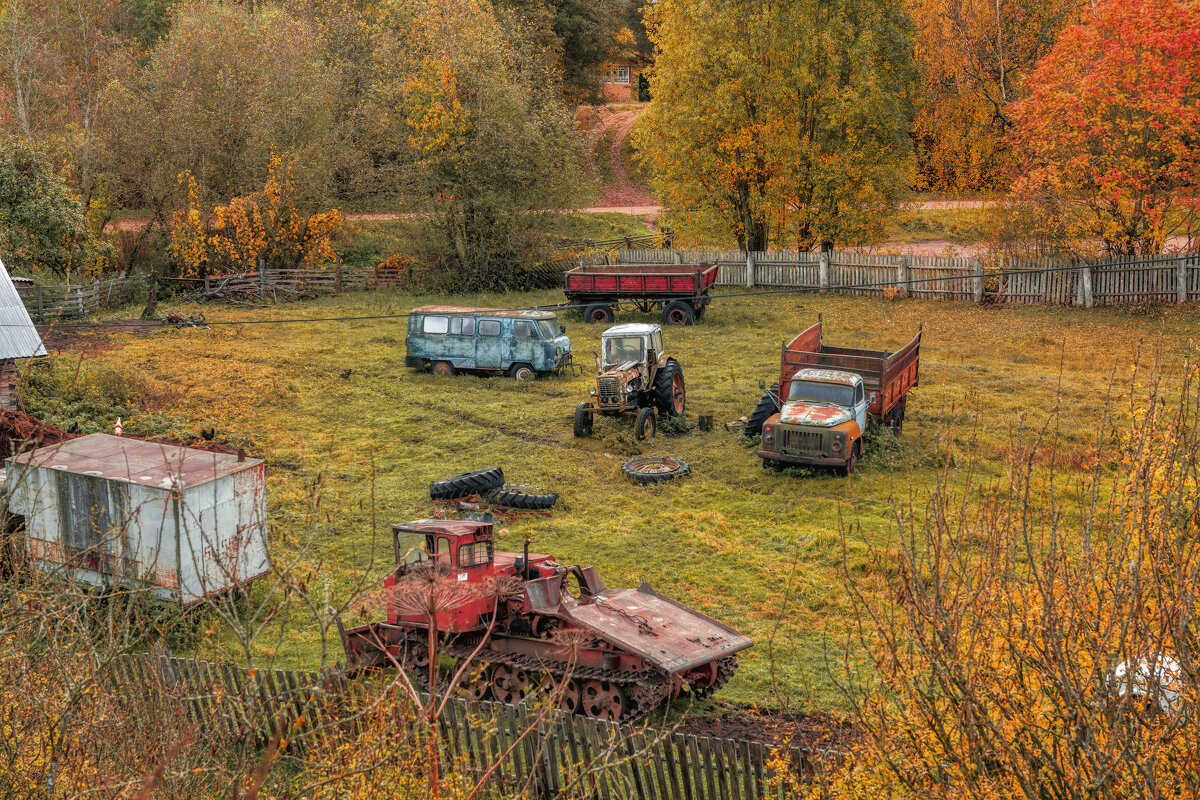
828 397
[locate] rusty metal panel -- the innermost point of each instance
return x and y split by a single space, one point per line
183 522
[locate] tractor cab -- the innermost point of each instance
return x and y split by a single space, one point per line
631 346
460 547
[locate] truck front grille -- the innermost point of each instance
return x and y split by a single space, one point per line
803 442
607 389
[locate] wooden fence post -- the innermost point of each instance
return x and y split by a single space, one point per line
262 276
39 300
1181 279
749 269
977 268
678 256
902 276
1085 277
823 270
338 278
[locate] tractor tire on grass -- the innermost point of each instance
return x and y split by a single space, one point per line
521 497
478 482
767 406
654 469
670 395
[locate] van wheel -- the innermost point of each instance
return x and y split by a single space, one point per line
598 313
522 372
646 425
443 368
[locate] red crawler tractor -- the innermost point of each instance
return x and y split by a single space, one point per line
620 652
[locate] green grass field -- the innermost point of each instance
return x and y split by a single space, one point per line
759 550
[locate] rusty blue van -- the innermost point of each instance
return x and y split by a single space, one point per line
449 339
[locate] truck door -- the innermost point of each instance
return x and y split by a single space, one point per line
860 407
490 346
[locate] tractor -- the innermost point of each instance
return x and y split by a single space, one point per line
635 376
524 623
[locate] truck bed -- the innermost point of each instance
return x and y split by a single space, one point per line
887 376
640 280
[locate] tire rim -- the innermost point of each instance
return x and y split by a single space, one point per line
599 315
676 316
654 465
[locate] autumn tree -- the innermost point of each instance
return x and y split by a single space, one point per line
972 56
494 149
779 122
1112 122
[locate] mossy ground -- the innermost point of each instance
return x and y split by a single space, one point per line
760 550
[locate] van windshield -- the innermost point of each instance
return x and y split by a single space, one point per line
620 349
836 394
549 328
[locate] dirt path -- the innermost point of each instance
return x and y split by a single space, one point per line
623 192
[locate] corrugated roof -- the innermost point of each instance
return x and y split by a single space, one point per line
18 337
162 466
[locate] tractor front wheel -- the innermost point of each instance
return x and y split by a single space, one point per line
646 425
583 419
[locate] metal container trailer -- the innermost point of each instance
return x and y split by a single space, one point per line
680 290
106 510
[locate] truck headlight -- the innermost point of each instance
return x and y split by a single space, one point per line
768 434
837 443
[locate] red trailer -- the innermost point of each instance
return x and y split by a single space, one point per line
680 290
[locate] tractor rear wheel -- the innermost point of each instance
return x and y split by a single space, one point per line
480 481
678 313
645 426
767 406
583 419
599 313
521 497
670 395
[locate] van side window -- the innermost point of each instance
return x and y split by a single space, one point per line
437 324
463 326
523 329
489 327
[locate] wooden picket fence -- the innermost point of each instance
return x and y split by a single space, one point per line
79 299
1168 278
540 754
312 280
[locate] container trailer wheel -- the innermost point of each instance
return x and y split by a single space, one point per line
678 312
598 313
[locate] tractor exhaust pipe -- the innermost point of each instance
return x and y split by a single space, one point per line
525 563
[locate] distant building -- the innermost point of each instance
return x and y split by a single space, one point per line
18 338
620 84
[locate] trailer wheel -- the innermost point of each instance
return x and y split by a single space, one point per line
670 395
598 313
522 497
678 312
583 419
767 406
443 368
468 483
646 425
522 372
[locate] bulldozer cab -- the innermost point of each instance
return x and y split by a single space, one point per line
453 546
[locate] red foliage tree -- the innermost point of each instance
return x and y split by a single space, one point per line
1112 123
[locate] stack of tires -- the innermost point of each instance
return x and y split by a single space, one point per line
489 484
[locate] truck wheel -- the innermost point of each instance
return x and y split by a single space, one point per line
522 372
443 368
522 497
583 419
468 483
898 418
852 460
678 313
767 406
599 313
670 394
646 425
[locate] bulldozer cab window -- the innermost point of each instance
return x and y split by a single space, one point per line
411 548
620 349
475 554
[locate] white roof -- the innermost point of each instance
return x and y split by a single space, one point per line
18 337
632 329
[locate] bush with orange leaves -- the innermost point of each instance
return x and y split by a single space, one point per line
266 228
996 667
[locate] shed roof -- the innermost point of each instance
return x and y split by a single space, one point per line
161 466
18 337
